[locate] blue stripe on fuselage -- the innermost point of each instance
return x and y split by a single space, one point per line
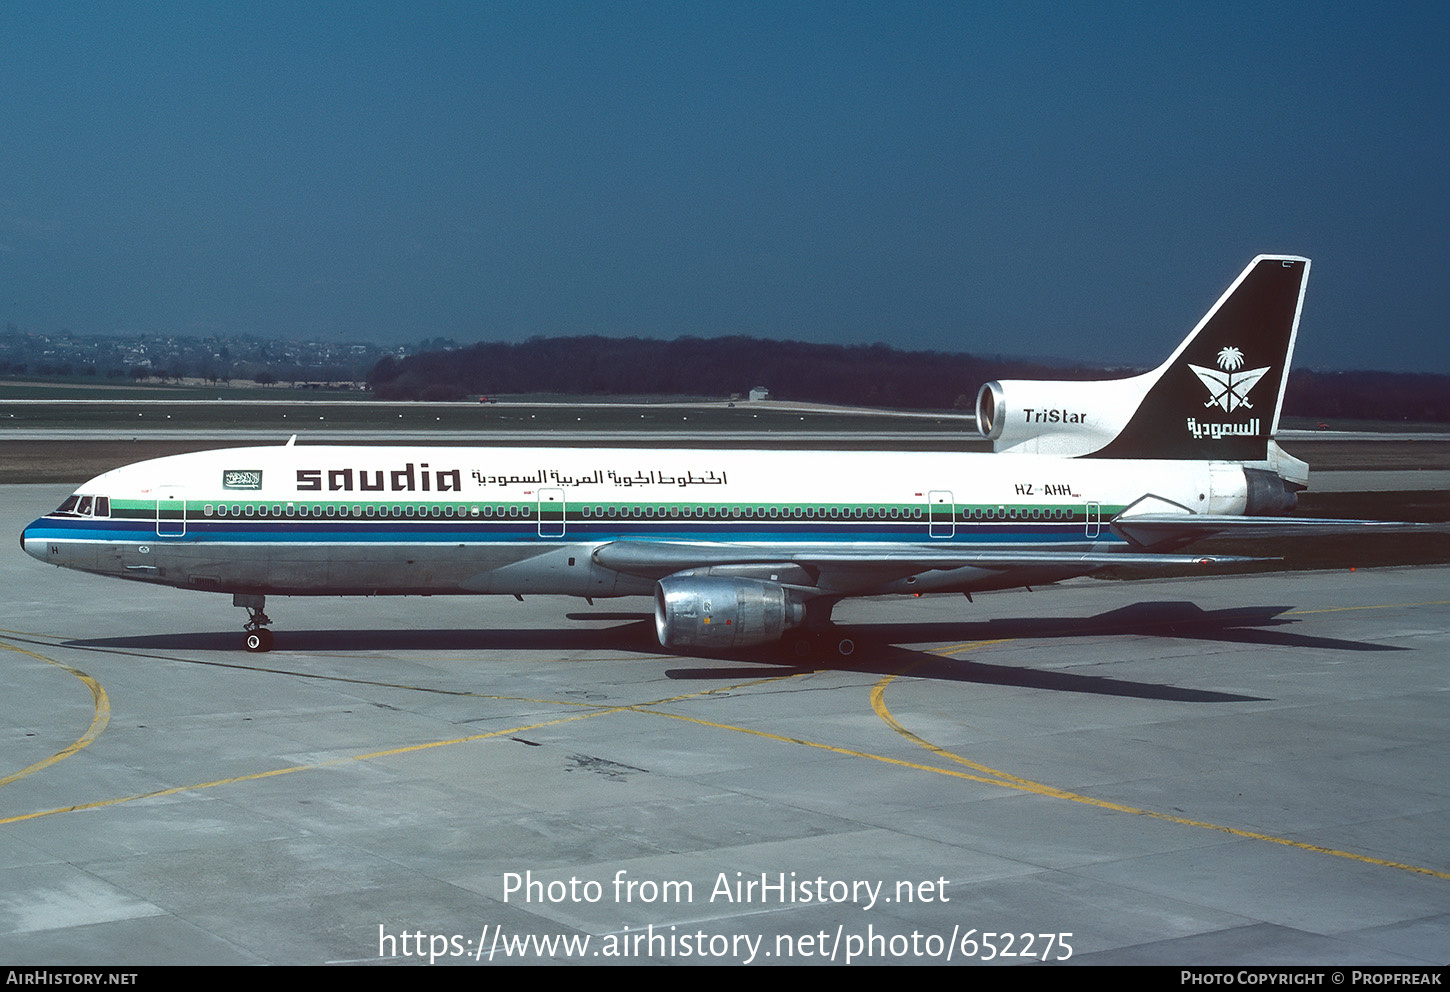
494 531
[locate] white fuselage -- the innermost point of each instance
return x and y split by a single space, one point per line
365 520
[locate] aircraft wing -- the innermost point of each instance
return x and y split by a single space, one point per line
656 559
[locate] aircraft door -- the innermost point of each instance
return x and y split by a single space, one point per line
1094 514
170 512
941 514
551 513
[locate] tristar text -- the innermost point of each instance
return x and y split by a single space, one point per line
1053 417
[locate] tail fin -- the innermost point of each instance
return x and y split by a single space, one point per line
1219 396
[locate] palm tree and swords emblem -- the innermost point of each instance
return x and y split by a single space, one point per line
1228 388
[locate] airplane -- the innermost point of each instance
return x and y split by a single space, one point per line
741 548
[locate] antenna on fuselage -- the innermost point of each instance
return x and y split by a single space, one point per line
291 441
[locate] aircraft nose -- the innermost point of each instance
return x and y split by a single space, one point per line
31 542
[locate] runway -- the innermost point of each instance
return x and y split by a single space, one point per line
1233 770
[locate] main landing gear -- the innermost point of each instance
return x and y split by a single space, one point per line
814 643
258 637
818 635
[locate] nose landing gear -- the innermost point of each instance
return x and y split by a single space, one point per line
258 637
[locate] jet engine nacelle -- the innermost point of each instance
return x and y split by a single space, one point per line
1056 418
717 612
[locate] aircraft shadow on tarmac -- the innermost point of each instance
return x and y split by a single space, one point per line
882 649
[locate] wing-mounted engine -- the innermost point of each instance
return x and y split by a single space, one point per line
721 612
1066 419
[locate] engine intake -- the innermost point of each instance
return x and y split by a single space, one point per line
716 612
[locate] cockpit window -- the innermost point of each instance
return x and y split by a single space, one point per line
85 506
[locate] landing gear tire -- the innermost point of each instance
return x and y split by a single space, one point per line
259 640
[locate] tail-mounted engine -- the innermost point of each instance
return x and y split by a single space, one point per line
1056 418
1266 494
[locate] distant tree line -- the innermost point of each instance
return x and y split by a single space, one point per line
870 375
163 357
1414 396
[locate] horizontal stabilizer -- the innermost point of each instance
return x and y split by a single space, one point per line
1150 529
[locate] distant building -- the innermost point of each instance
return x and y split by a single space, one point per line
759 393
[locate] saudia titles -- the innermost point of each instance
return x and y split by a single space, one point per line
1228 389
405 479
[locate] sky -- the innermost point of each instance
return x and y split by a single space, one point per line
1075 180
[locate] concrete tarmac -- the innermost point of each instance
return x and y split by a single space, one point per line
1231 770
